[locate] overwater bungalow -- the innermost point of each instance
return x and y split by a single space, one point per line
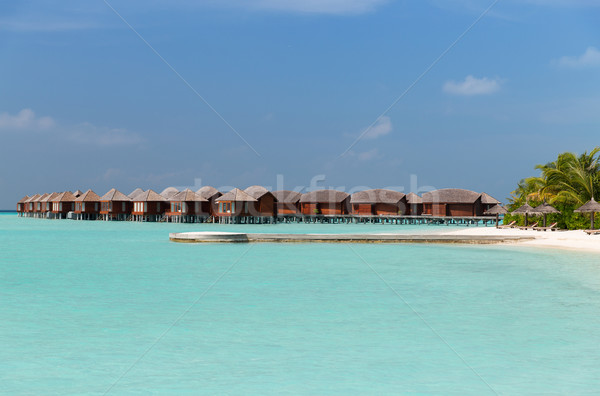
211 194
287 202
325 202
114 205
37 205
188 207
149 206
235 203
87 206
378 202
415 204
62 204
265 201
452 202
21 205
47 204
30 204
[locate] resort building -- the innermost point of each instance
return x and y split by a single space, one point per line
188 207
87 206
265 202
114 205
455 202
325 202
30 204
47 204
378 202
287 202
62 204
235 203
21 205
211 194
415 204
149 206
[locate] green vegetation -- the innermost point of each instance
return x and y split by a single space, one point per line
566 184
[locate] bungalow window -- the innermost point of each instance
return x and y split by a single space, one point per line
145 207
158 206
96 207
82 208
123 207
60 207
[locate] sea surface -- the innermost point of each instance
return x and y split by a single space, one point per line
94 308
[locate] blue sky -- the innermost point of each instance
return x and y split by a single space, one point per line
86 103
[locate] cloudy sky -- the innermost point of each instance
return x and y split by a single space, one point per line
292 93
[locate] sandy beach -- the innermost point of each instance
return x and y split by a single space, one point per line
573 240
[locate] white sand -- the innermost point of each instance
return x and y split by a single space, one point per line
574 240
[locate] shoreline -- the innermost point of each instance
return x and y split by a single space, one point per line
576 240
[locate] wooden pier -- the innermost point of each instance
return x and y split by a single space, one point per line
231 237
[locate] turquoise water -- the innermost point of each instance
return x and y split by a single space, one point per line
115 308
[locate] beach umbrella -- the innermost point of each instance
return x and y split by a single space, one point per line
592 207
544 209
524 210
496 210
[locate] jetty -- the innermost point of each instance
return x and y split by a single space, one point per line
235 237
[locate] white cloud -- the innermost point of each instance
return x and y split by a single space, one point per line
24 120
382 127
320 6
368 155
590 58
87 133
471 86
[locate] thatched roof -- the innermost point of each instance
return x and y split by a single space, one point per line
377 196
188 196
236 195
330 196
413 198
135 193
590 206
49 197
88 196
33 198
496 210
209 192
115 195
24 199
256 191
77 193
286 196
168 192
39 199
524 209
66 196
544 209
451 195
487 199
149 196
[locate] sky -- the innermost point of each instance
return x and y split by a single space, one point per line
293 94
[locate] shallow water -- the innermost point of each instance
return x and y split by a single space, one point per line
91 307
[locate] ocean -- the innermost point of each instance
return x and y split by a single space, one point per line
94 308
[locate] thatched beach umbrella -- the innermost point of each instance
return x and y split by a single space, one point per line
526 210
544 209
496 210
591 207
